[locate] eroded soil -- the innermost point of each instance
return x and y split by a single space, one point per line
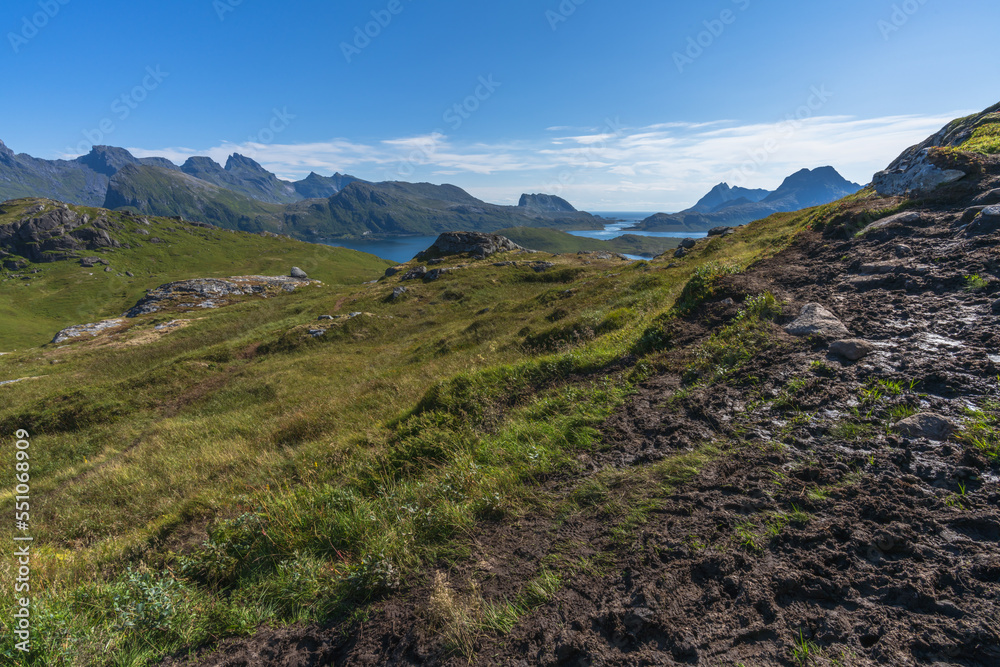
816 527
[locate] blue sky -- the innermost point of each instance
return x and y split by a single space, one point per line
639 105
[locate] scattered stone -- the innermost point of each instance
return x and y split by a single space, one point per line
316 333
325 317
688 243
156 239
681 252
970 214
436 273
540 267
351 316
903 250
130 274
435 262
721 231
987 198
927 425
398 293
898 221
987 222
815 320
415 274
476 244
505 264
852 349
80 330
299 273
393 270
108 270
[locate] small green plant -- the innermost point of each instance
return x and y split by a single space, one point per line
820 367
975 283
805 651
799 516
746 535
981 429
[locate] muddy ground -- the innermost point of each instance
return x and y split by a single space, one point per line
823 529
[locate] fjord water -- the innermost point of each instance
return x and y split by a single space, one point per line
624 220
404 248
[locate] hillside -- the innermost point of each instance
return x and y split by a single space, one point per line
555 241
730 207
780 449
41 294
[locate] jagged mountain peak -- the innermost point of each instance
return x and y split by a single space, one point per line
107 160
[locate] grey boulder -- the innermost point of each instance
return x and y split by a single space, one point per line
299 273
815 320
927 425
852 349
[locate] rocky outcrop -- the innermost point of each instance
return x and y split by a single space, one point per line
914 172
212 292
299 274
80 330
52 231
476 244
913 177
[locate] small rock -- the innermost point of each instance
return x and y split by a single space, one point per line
299 273
688 243
505 264
108 270
987 198
903 250
817 320
927 425
852 349
436 273
721 231
325 317
435 262
542 266
681 252
415 274
351 316
316 333
130 274
987 222
398 293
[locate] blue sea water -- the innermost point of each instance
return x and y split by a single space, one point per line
404 248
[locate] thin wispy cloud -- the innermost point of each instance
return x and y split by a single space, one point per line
665 166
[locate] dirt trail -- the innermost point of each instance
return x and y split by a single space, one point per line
820 530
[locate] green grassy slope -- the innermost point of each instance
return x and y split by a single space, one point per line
37 305
555 241
195 484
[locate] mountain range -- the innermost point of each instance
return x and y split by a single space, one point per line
729 206
245 196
